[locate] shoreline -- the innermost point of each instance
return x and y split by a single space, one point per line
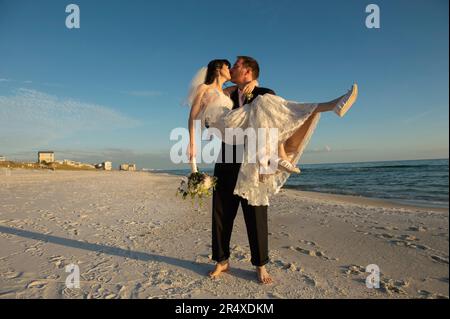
352 199
369 201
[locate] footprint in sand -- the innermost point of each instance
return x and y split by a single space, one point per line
391 286
278 263
387 285
39 284
35 250
58 261
240 254
390 228
315 253
429 295
98 292
354 270
285 234
311 253
409 242
408 237
310 280
440 259
49 216
70 227
292 267
418 229
204 258
11 274
275 295
307 242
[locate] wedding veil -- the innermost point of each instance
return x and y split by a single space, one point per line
198 79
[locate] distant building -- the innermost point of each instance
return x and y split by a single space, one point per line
2 158
127 167
107 166
71 163
46 156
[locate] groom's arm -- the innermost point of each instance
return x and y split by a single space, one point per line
262 91
249 87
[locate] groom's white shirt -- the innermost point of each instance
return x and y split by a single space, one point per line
241 97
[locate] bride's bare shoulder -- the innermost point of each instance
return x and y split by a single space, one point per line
206 89
202 91
202 88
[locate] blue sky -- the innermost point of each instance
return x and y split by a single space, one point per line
113 88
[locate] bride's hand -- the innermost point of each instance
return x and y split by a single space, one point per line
191 152
249 87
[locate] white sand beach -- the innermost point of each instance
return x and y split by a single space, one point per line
132 238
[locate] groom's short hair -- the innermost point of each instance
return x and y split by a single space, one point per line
250 63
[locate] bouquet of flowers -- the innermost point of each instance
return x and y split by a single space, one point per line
197 184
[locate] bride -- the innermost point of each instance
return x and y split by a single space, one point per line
211 104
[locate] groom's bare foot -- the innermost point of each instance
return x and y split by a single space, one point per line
220 268
263 276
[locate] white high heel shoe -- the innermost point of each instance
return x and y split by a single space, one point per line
346 102
285 165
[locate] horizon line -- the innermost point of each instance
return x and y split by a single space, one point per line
408 160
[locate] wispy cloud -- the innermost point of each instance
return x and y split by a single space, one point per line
416 117
329 149
31 82
325 149
53 84
144 93
30 118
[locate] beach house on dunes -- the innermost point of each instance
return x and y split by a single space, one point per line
127 167
107 166
46 156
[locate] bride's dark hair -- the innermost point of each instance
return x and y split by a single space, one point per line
213 66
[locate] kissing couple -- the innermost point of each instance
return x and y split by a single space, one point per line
245 105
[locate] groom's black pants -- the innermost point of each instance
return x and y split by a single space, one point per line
224 210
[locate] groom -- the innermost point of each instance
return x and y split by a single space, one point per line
225 203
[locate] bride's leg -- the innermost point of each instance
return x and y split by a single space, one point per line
327 106
292 143
342 104
282 151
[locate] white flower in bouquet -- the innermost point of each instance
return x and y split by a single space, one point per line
208 182
197 185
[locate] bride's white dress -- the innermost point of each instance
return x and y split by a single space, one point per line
265 111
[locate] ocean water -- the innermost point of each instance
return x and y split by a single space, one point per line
417 182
